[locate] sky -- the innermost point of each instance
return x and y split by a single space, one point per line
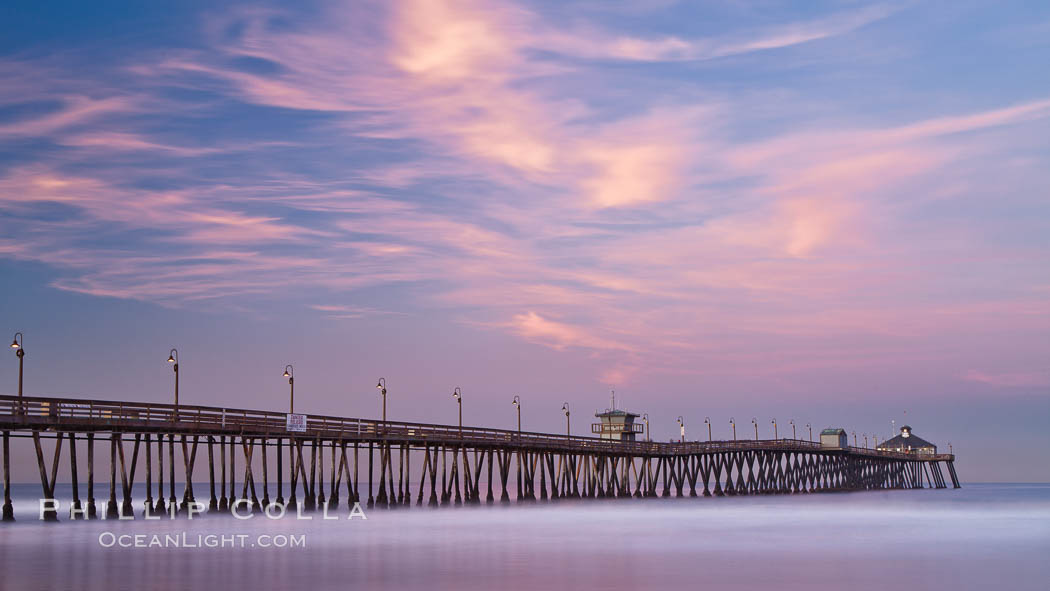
833 213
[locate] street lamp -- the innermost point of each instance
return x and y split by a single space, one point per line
792 421
854 439
645 417
568 430
20 352
173 359
289 372
458 395
754 422
681 425
708 421
810 427
382 390
775 434
517 404
865 441
733 423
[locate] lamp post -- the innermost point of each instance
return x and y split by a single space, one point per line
517 404
289 372
382 390
854 439
754 422
708 421
568 430
681 425
458 395
173 359
792 421
775 434
645 417
20 352
865 441
810 427
9 511
733 423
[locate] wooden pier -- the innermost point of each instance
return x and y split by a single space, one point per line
371 461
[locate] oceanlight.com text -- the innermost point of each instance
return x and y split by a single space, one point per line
184 540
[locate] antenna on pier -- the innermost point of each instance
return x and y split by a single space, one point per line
613 397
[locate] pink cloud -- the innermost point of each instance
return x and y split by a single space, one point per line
75 111
648 238
533 327
1009 379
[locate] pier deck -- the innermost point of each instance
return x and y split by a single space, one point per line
548 466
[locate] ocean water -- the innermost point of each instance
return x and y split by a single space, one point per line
983 536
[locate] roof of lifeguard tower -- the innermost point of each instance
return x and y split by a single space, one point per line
833 431
616 412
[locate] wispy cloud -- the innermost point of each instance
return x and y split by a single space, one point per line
477 149
1008 380
601 45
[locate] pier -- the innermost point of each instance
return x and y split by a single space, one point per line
371 461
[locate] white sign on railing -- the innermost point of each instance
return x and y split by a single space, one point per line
296 423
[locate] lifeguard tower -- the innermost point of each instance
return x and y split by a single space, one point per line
617 423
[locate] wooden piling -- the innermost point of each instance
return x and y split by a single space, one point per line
213 501
280 474
92 510
371 499
223 501
111 506
320 474
336 479
48 484
189 458
310 500
233 470
148 510
9 510
357 490
266 477
173 505
76 509
293 476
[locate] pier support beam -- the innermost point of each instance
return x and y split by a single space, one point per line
213 502
224 504
280 474
111 506
148 509
92 510
9 510
48 484
172 501
951 472
75 509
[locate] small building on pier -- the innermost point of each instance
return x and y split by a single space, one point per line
907 442
617 424
834 438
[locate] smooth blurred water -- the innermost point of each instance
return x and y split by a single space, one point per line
979 537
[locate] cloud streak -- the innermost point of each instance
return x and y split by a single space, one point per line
487 165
